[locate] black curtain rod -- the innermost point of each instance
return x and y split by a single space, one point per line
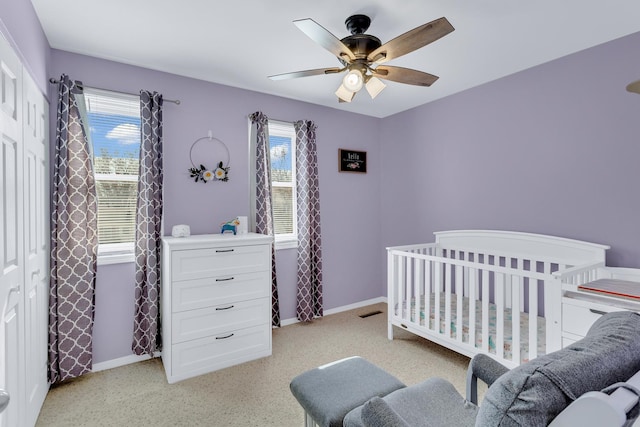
55 82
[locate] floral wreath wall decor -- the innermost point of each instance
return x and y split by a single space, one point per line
202 173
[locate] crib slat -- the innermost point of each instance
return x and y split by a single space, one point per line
437 286
402 301
549 310
413 291
485 309
428 274
515 318
459 290
520 268
473 280
448 268
499 300
419 284
533 319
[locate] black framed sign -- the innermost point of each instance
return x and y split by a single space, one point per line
352 161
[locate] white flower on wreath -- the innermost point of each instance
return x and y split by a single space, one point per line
207 175
220 173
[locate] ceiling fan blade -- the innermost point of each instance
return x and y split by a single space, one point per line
405 75
306 73
634 86
411 40
324 38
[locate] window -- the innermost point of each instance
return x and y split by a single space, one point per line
114 134
282 145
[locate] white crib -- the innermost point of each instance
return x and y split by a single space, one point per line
496 292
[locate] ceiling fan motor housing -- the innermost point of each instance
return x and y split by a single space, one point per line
357 24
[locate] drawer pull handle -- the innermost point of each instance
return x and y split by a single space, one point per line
224 280
224 308
223 250
225 337
594 311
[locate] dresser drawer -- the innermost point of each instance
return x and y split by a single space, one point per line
199 293
208 354
198 263
195 324
577 318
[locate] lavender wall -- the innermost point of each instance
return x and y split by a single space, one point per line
349 202
553 150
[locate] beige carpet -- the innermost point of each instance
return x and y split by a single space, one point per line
251 394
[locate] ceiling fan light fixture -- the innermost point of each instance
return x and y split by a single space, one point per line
353 80
374 86
344 94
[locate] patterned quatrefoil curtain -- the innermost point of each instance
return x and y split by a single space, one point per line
263 208
146 328
309 295
74 242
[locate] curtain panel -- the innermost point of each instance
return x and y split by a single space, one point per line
309 293
146 330
263 202
74 241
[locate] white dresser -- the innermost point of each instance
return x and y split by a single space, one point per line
581 309
215 302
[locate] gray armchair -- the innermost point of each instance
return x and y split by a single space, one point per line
533 394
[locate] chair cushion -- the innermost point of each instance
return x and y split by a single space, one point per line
432 403
328 392
535 392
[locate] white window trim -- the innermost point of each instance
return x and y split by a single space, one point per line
115 253
290 240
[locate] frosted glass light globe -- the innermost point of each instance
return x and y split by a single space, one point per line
353 81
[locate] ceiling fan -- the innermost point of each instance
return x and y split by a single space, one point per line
361 55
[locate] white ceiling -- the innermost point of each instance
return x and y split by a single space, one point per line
241 42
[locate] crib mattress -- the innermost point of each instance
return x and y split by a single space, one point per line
508 337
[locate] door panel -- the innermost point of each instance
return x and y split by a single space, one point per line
11 236
36 239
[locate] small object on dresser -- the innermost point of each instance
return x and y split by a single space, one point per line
229 226
243 226
181 230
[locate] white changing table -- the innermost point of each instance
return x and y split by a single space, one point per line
581 309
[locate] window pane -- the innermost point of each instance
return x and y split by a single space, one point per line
280 158
282 210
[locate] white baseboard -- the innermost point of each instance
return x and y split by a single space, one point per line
121 361
291 321
126 360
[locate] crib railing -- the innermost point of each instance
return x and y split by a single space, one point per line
425 279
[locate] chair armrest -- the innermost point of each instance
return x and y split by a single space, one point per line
485 368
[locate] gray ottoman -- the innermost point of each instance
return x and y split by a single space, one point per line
329 392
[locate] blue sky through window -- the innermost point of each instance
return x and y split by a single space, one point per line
280 152
114 135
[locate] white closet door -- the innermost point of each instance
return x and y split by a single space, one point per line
11 236
36 240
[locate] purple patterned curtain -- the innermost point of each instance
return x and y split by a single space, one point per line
263 208
74 242
146 328
309 296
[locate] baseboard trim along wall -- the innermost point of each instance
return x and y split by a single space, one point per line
126 360
121 361
293 320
